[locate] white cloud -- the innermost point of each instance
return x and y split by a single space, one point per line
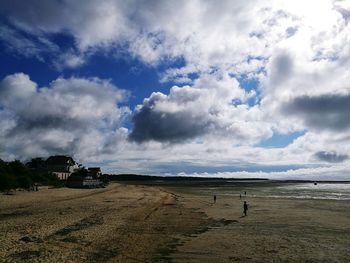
70 60
204 33
26 45
16 88
72 116
320 173
294 49
205 109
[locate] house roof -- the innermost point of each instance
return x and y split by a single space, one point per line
59 160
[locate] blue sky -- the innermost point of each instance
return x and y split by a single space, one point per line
235 89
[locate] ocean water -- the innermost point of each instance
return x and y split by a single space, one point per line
333 191
327 191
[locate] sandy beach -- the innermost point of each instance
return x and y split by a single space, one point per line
139 223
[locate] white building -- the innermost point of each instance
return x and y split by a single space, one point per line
62 166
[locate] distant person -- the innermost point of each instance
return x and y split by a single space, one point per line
214 199
240 196
245 208
245 193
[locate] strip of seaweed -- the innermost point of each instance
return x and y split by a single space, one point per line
164 253
14 214
82 224
104 254
26 255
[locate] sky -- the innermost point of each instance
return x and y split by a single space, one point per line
232 89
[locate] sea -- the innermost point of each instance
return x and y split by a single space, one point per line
332 191
309 190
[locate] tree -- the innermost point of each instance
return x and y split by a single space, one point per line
36 163
104 178
7 182
15 174
18 169
25 182
78 175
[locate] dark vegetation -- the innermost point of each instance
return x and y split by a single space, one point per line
78 175
15 174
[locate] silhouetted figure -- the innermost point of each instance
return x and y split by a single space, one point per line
240 196
245 193
245 208
214 199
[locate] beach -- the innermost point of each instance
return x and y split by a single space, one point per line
160 223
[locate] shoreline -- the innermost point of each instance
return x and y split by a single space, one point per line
142 223
275 230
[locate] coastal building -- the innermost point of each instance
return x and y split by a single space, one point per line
83 182
94 172
62 166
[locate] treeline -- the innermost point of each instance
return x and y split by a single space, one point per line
137 177
15 174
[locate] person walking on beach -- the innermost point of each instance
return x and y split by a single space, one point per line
245 193
240 196
214 199
245 208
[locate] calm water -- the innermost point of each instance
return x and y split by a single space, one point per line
311 191
331 191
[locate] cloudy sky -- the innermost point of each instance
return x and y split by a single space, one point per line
205 88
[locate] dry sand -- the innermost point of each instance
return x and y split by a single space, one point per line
130 223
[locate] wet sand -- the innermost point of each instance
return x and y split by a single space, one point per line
275 230
135 223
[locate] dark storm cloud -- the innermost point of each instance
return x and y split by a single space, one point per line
162 126
331 157
330 112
